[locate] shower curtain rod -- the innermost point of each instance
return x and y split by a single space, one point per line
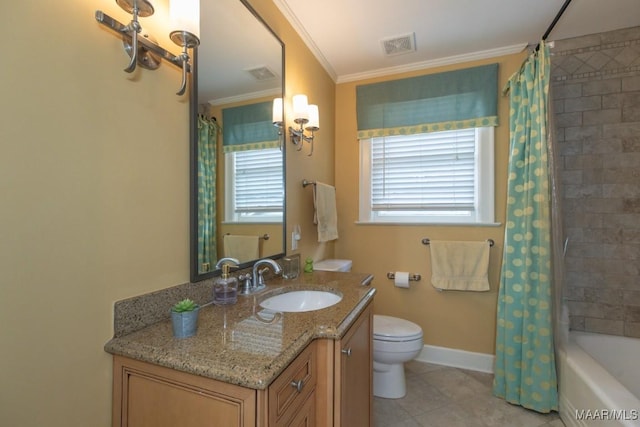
554 22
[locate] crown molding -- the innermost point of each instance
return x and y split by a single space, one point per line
306 38
432 63
246 97
456 59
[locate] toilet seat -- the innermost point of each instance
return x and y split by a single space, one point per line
393 329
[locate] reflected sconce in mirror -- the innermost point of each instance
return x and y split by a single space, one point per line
144 51
307 118
277 118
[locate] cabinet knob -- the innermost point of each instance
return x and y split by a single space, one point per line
298 385
346 351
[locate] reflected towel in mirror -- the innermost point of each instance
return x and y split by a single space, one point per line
243 248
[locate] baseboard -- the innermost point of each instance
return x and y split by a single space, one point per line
480 362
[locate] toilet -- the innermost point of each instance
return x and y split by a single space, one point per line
395 341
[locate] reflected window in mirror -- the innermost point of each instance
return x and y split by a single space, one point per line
254 184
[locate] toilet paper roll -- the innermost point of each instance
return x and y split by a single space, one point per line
401 279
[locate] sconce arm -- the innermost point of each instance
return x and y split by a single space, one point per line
122 29
298 137
132 30
185 63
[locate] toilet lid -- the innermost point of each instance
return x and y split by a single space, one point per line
387 328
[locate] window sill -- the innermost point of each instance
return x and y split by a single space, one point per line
277 222
432 224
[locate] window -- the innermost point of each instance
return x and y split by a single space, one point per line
254 186
437 177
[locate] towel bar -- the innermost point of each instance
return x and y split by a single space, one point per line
265 236
412 277
426 241
306 182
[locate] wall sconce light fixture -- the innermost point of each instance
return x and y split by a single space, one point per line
308 118
144 51
277 118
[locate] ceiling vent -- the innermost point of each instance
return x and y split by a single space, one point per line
399 44
261 73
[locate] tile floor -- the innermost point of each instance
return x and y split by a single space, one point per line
439 396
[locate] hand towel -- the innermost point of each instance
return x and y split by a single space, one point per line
460 266
243 248
325 216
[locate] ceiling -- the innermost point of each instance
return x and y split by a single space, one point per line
346 36
233 42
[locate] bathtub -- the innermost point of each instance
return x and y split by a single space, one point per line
599 378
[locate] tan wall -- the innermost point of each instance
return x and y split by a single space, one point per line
94 196
456 320
304 74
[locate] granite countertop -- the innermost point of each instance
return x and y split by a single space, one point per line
242 343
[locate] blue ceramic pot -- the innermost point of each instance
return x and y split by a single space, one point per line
185 324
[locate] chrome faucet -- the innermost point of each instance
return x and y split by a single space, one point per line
258 280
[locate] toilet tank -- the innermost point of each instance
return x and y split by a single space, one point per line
333 265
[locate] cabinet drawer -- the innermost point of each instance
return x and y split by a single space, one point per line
305 417
292 387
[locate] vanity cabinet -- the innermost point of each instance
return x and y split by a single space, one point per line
354 370
292 396
154 396
328 384
147 395
345 381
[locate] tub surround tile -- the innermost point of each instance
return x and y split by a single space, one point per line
576 323
632 329
632 297
596 84
232 344
604 326
632 314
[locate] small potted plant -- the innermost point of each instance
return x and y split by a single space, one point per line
184 316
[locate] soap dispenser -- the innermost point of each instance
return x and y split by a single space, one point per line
225 287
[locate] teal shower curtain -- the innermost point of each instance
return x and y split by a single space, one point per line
525 372
207 144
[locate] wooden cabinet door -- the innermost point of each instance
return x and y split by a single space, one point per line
147 395
354 364
290 393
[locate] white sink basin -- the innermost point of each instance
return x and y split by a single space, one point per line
298 301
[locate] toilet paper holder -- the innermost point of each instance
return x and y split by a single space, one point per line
412 277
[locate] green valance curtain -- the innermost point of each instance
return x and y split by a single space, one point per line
248 127
436 102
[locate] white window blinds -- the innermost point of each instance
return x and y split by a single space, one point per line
259 184
424 172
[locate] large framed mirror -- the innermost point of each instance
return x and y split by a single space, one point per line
237 155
